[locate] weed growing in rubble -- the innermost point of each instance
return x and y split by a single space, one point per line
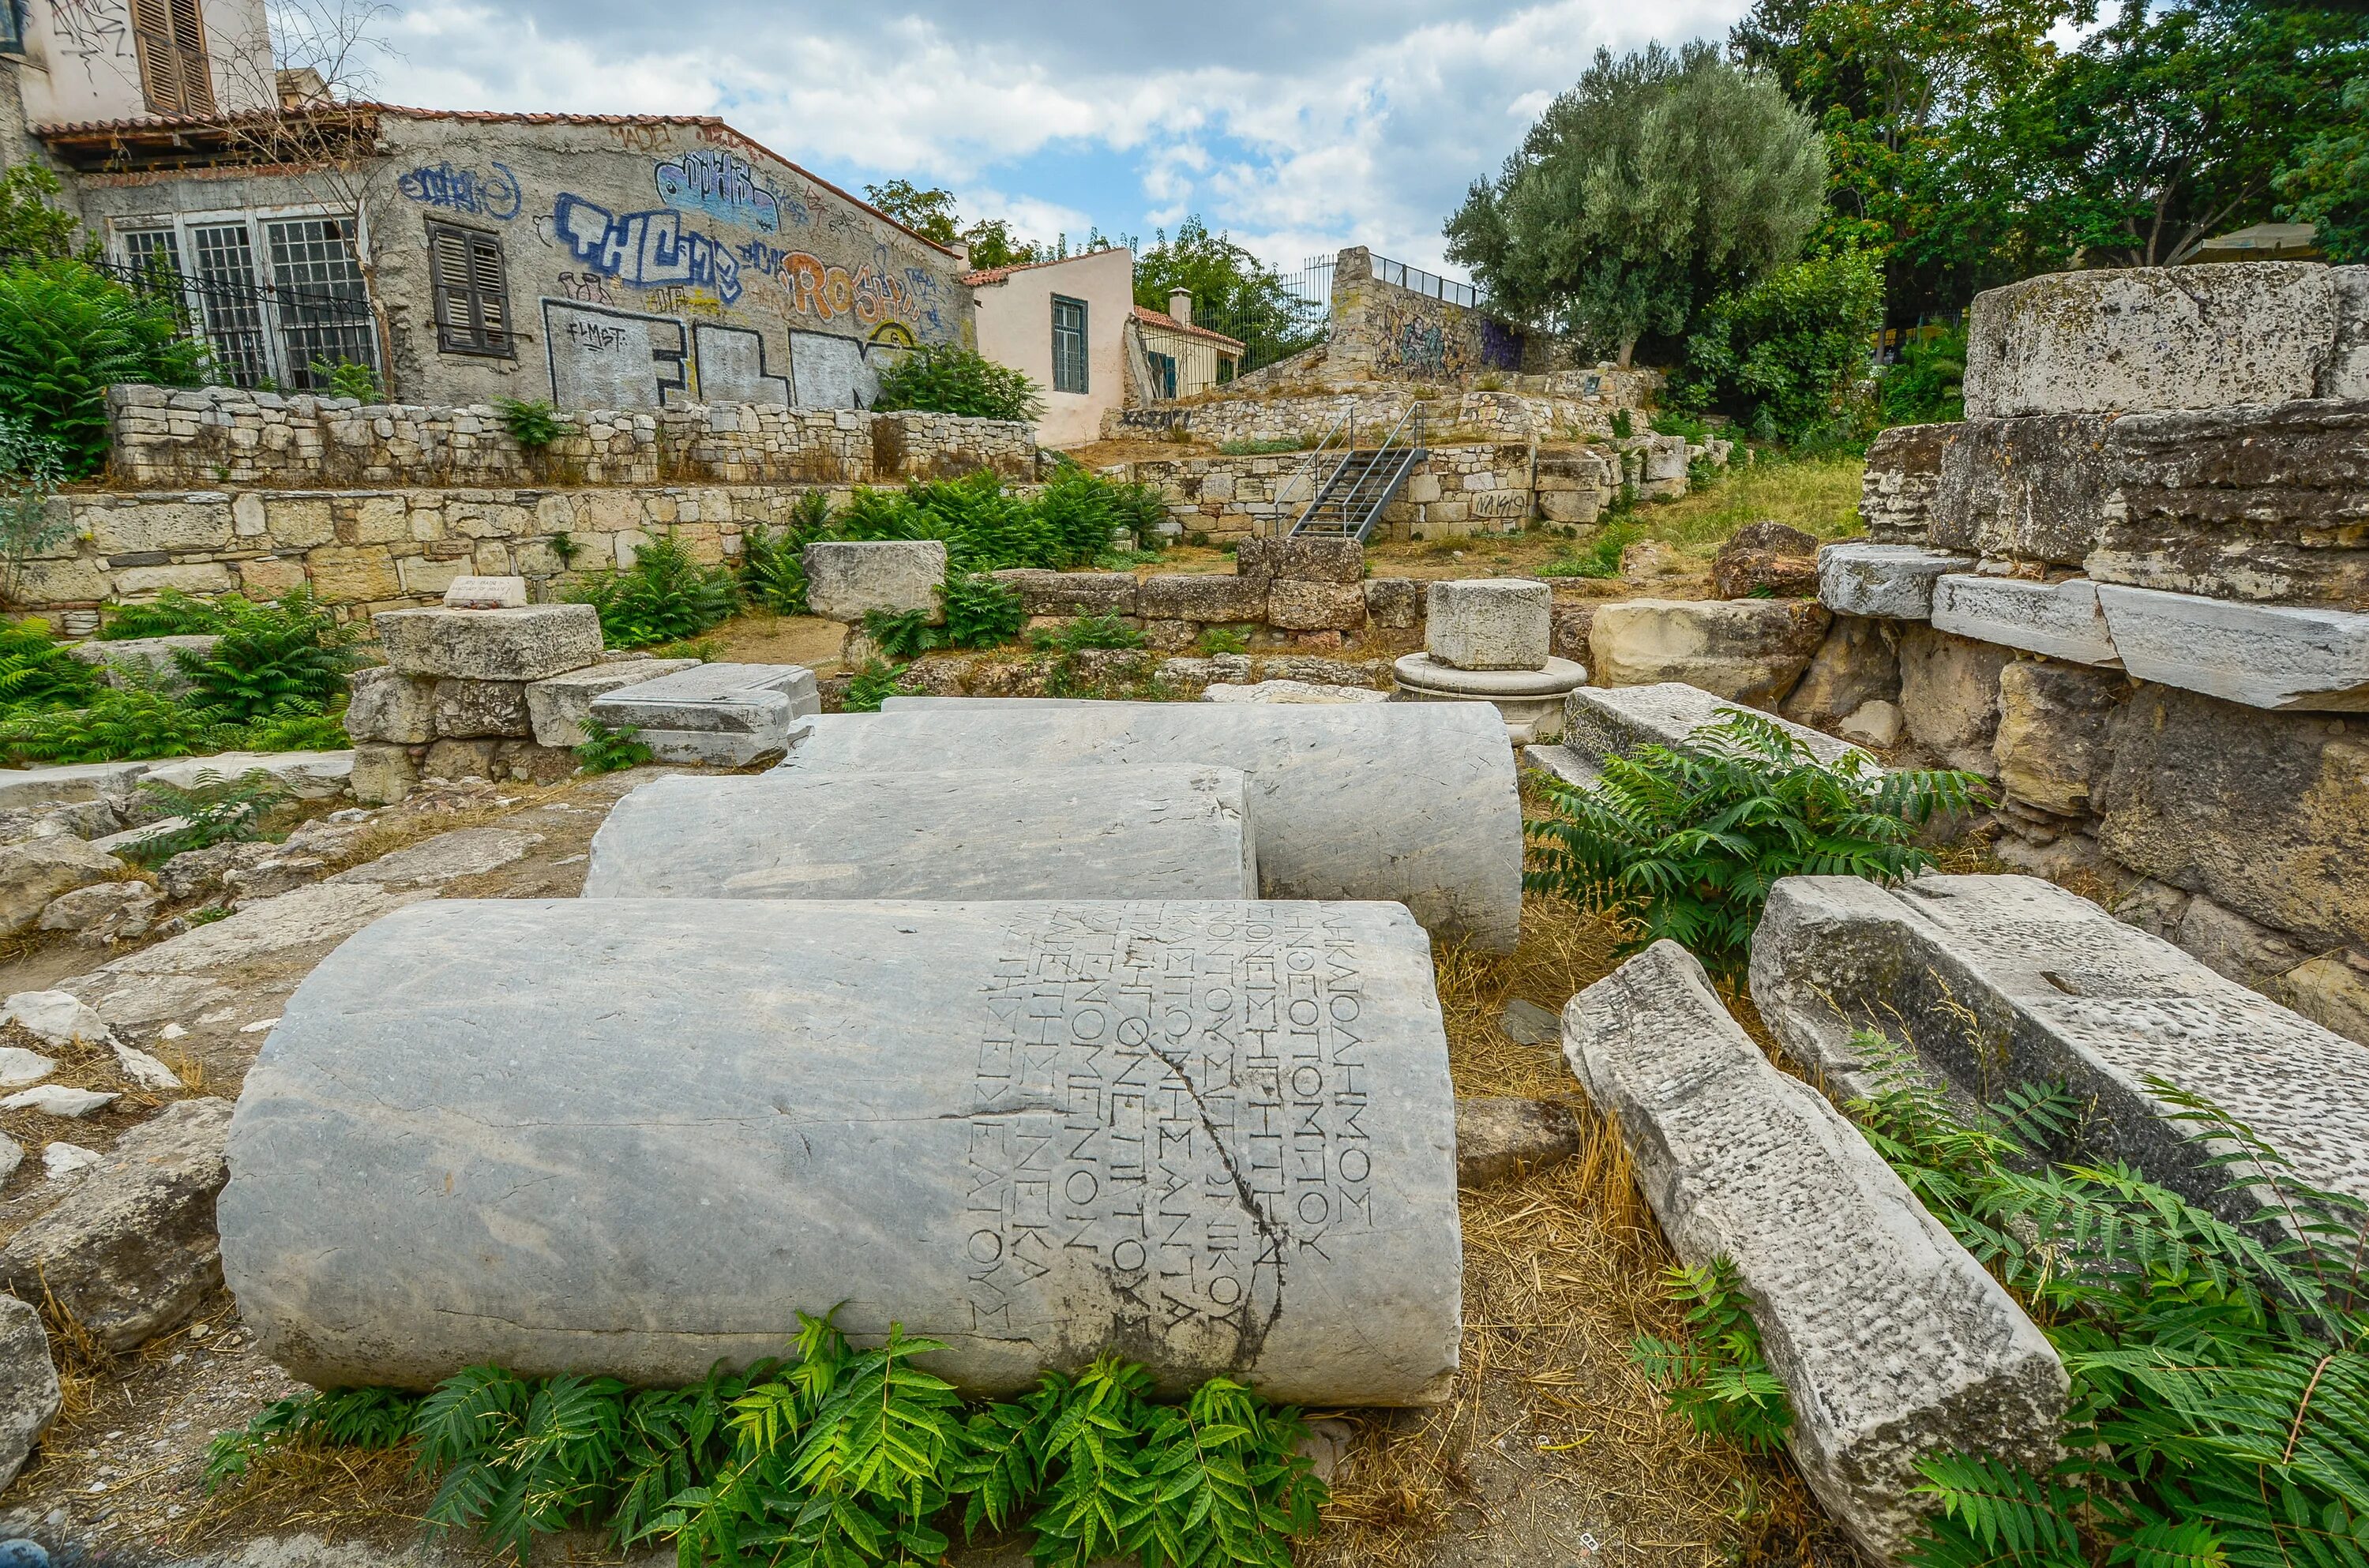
533 425
605 751
1087 632
212 809
2219 1415
839 1456
1686 844
873 685
664 597
1716 1377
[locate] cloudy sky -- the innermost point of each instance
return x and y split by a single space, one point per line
1299 125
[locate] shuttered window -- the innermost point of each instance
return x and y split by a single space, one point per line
473 294
173 68
1069 344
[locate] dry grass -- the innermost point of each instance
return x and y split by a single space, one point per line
1819 495
1554 1449
335 1494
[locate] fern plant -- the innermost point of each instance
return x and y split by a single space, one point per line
271 658
1687 845
36 673
32 467
834 1456
213 810
134 720
67 333
873 685
773 574
980 612
299 725
2220 1401
1717 1377
664 597
606 750
172 613
533 425
348 378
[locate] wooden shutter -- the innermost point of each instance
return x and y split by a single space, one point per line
491 292
472 293
174 71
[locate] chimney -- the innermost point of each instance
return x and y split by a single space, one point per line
1180 305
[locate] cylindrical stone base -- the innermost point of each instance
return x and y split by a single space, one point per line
1015 832
1529 700
633 1136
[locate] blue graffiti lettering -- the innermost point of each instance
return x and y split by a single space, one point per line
464 191
721 185
648 250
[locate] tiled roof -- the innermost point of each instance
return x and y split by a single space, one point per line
1167 323
998 274
168 122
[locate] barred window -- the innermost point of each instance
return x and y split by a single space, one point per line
174 71
472 292
1069 344
12 26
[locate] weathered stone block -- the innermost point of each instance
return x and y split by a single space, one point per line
486 594
1893 1342
195 522
1412 802
2146 337
29 1395
1016 832
150 658
2059 618
1904 468
1501 1140
1996 980
557 706
451 759
2265 656
1949 693
718 714
1890 581
468 710
2264 504
385 704
568 1223
1302 560
1752 650
2051 745
491 645
1600 721
1072 593
37 870
1207 600
1296 604
130 1251
1394 602
2031 490
1858 663
2267 812
897 576
1489 623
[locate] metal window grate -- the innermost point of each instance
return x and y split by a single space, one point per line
259 334
230 303
1069 344
323 305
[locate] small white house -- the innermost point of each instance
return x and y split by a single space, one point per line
1064 324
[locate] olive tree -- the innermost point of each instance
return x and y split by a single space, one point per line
1660 181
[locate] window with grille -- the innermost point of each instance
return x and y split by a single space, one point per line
280 302
1069 344
174 71
323 307
472 293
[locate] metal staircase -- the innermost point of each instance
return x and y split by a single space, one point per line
1349 502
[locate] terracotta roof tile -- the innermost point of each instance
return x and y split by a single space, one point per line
1169 323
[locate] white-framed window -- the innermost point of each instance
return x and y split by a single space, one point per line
1069 344
278 296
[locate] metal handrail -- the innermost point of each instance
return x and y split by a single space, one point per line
1381 456
1341 427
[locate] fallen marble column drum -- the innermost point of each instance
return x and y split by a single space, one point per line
633 1136
1412 802
1016 832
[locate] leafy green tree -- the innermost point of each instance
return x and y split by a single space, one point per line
950 379
993 244
1783 355
30 228
1659 181
2326 180
1234 291
67 333
927 212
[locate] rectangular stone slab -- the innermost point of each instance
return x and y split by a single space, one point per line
1892 581
1023 832
633 1136
2265 656
1614 721
558 705
1414 802
2000 980
1893 1341
722 714
2060 619
525 644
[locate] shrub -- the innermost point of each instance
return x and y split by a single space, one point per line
1087 631
1214 640
903 638
271 657
980 612
2219 1412
1623 425
1670 422
1716 1377
872 685
171 614
1601 558
299 726
1262 448
348 378
31 467
1784 355
605 751
839 1456
953 379
1686 845
1928 385
30 226
533 425
37 673
67 333
213 810
132 720
663 597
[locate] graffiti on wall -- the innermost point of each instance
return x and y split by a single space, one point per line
873 295
458 189
647 250
90 31
1425 338
614 359
724 185
603 357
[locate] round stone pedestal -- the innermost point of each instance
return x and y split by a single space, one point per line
1531 700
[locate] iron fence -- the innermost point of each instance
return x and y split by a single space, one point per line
1416 281
1280 315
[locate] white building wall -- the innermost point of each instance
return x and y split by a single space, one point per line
1015 328
81 63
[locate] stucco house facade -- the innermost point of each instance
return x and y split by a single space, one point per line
1065 324
616 261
